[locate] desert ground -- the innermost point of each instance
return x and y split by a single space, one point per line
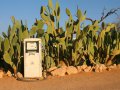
107 80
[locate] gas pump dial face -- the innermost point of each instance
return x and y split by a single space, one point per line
31 46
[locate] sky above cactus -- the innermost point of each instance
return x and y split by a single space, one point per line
28 10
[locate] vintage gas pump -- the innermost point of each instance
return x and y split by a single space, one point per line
32 58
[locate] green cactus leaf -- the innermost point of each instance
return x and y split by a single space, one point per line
40 24
79 14
18 48
43 8
57 11
77 31
46 37
52 18
1 42
25 34
68 12
50 4
115 52
13 19
49 29
17 24
6 45
83 18
9 30
62 42
4 35
12 34
14 40
40 33
96 23
11 52
44 16
33 31
7 58
20 35
48 61
91 59
103 25
108 50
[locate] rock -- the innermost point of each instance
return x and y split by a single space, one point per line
1 74
59 72
100 68
112 67
118 66
52 68
88 69
44 74
9 74
103 66
109 69
19 75
71 70
83 67
96 68
79 68
115 66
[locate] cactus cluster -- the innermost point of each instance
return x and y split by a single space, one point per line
76 45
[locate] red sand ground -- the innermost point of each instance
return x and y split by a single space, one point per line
108 80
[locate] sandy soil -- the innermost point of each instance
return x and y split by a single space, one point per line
108 80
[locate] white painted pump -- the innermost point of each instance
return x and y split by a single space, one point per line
32 58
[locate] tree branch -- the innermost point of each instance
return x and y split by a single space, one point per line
104 16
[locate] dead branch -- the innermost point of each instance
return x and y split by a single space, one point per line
104 16
112 11
89 19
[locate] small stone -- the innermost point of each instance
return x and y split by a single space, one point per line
88 69
109 69
103 67
59 72
19 75
100 68
44 74
9 74
1 74
118 66
96 68
114 65
79 68
71 70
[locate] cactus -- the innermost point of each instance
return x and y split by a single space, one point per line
12 43
6 45
1 39
92 44
7 58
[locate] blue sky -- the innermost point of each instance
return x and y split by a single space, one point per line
28 10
